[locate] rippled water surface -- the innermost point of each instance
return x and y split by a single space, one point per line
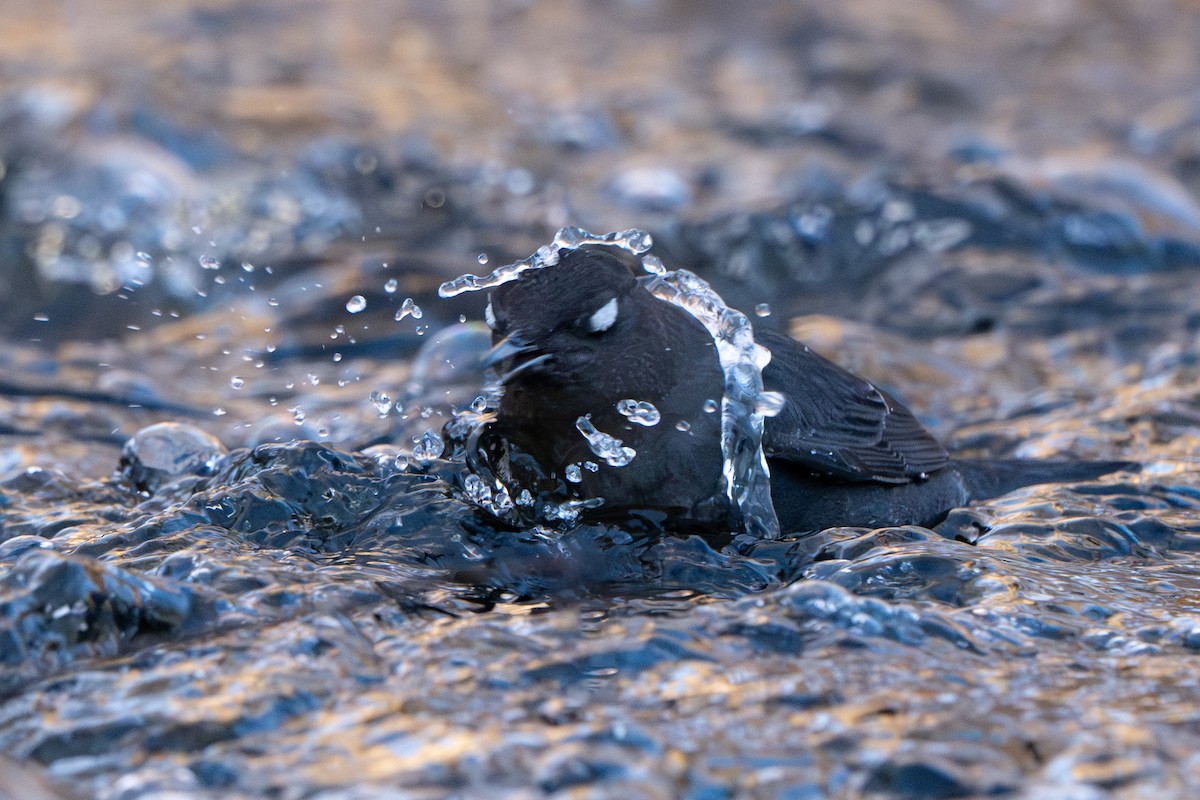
237 559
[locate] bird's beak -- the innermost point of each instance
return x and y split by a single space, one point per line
512 345
507 349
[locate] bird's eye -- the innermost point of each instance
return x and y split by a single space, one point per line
603 318
489 316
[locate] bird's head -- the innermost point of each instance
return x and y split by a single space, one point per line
552 322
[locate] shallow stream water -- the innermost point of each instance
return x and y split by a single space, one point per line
230 221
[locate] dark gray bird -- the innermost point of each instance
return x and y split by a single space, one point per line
583 339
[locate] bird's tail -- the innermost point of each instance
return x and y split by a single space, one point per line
986 479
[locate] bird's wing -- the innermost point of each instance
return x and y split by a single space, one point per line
838 424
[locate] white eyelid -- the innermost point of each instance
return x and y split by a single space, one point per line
604 318
489 316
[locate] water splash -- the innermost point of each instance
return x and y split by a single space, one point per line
632 241
745 403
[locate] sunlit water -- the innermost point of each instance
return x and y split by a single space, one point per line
238 557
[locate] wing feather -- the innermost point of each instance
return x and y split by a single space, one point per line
838 424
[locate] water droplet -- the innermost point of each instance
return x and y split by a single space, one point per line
640 411
653 265
501 501
711 405
298 415
219 412
208 262
236 382
391 286
409 308
573 473
482 259
591 466
683 425
762 310
769 403
382 402
638 241
356 304
570 238
427 447
610 450
477 491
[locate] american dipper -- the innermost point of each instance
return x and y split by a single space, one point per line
589 357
